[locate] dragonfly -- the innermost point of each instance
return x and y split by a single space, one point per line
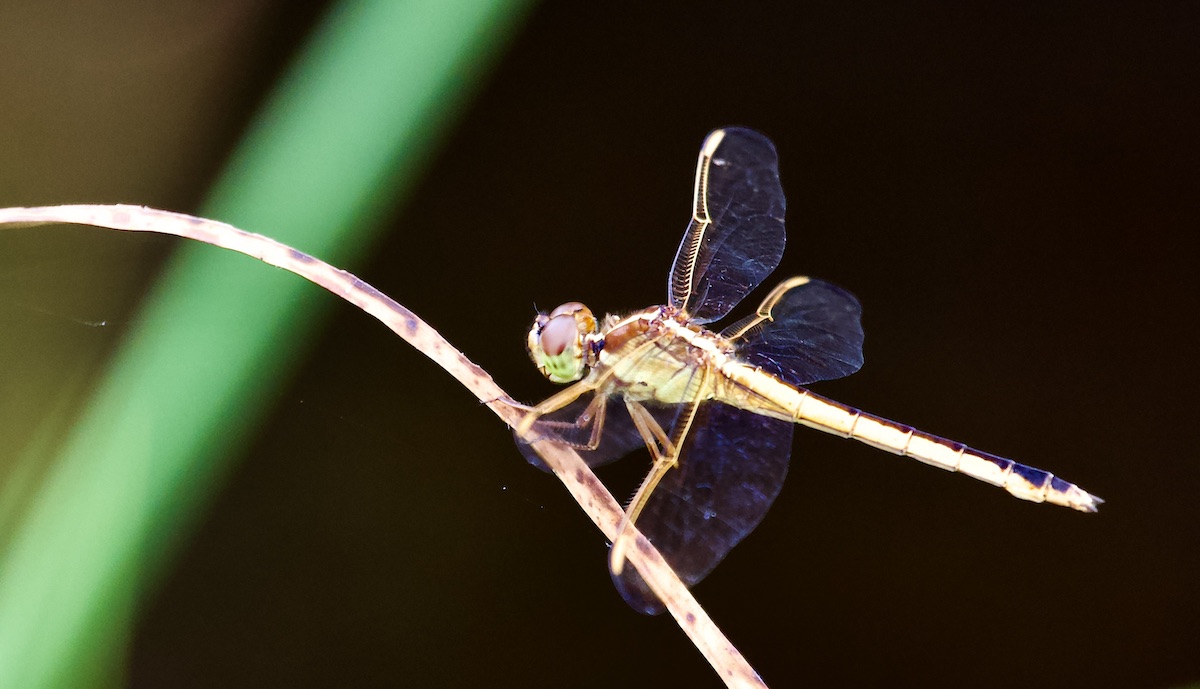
714 408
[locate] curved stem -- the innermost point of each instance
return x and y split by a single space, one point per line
581 483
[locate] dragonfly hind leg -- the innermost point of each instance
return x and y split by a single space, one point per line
665 451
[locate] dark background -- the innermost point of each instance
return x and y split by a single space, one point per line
1009 191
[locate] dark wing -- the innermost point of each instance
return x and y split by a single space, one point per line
618 438
730 469
736 235
805 330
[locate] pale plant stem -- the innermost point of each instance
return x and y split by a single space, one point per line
592 496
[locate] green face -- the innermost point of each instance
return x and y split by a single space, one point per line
567 367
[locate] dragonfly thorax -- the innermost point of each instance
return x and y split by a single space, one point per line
560 342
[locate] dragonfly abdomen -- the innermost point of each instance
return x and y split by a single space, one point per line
804 407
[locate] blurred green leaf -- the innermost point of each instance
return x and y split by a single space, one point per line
334 149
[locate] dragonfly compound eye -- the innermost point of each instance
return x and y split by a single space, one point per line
558 335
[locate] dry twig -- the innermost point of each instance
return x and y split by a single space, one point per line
583 485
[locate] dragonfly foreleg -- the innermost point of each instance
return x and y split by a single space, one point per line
554 403
567 432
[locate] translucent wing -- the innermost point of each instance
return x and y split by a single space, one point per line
736 236
618 436
805 330
731 467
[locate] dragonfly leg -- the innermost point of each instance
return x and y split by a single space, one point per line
594 414
566 432
664 460
554 403
657 440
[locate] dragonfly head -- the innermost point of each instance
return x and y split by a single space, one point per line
557 342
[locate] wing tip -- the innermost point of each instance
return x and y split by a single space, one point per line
711 142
